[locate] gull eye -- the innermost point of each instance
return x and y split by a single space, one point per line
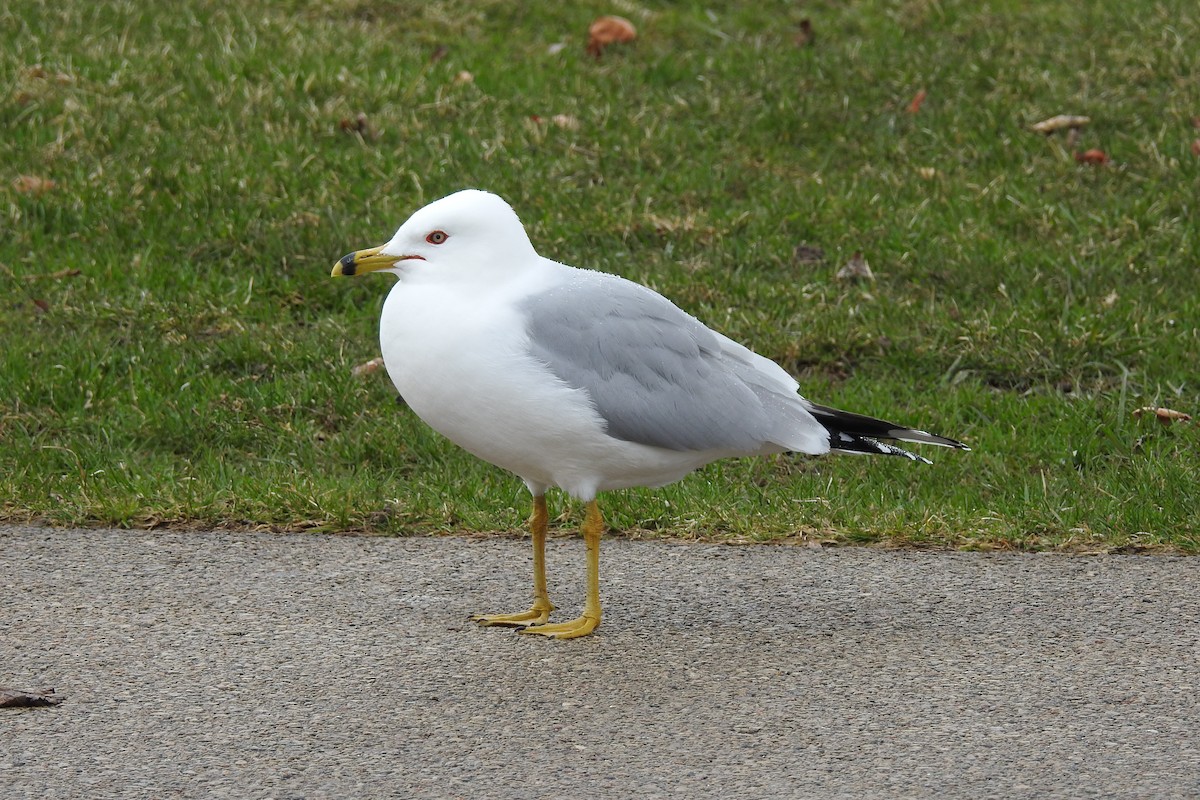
437 237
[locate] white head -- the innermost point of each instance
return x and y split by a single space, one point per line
466 230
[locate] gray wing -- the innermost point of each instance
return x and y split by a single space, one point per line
658 376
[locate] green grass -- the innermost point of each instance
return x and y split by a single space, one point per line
174 352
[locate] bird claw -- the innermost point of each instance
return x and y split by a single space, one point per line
536 615
580 626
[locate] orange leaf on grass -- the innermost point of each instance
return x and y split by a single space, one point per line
32 184
1093 156
609 30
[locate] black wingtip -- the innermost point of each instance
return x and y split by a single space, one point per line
846 427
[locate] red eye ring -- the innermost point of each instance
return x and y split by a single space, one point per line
437 237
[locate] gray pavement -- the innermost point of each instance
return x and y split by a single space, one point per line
252 665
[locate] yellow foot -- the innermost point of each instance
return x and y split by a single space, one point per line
581 626
536 615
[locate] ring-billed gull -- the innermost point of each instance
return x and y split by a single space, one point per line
577 379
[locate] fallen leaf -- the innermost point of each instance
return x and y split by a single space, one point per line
463 78
808 254
805 36
366 369
609 30
32 184
565 121
928 173
1092 156
1164 415
42 305
856 269
1110 299
359 125
915 104
69 272
439 52
1196 122
18 698
1058 123
1196 148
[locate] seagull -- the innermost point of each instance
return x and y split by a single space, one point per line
577 379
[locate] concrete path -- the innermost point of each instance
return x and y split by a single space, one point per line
249 665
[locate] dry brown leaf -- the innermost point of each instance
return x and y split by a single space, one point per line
1196 122
1093 156
1164 415
439 52
914 105
366 369
805 36
1058 123
669 225
19 698
38 72
32 184
69 272
609 30
808 254
358 124
856 269
42 305
1196 148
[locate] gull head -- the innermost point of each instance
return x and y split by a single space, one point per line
466 230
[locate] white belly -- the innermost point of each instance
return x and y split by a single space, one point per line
474 382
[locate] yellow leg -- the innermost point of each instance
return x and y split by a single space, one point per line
593 527
541 608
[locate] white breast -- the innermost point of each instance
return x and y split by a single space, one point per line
475 382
